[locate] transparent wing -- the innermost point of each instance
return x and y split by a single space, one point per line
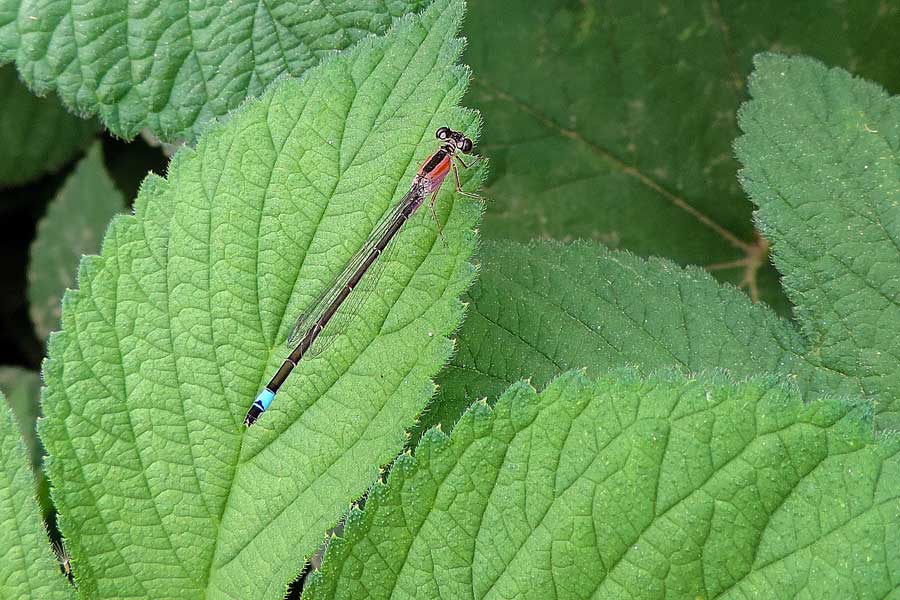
348 310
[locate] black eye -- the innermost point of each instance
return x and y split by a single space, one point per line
443 133
465 145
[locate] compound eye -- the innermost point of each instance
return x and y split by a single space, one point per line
443 133
465 145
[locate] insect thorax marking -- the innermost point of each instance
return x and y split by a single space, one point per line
436 159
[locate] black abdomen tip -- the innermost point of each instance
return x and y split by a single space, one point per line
252 415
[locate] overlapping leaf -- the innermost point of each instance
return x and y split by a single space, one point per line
627 488
38 134
614 120
172 65
74 224
27 568
821 155
177 325
540 309
821 151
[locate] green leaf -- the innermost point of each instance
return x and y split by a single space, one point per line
623 488
27 568
74 225
38 135
541 309
171 66
22 389
614 120
821 152
182 319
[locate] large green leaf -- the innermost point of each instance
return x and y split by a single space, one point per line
614 120
622 488
173 65
73 226
27 568
821 155
38 134
179 323
543 308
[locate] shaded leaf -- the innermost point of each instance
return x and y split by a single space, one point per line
38 135
74 224
180 321
821 155
172 66
614 120
629 488
27 568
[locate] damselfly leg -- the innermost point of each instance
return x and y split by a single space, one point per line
459 189
437 222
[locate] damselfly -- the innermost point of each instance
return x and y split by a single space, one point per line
340 296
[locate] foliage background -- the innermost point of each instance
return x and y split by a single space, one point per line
608 121
585 125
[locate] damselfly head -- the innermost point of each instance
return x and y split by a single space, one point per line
455 138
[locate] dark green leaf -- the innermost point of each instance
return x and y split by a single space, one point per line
73 226
38 135
614 120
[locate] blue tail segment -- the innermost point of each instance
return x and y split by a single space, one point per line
262 402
